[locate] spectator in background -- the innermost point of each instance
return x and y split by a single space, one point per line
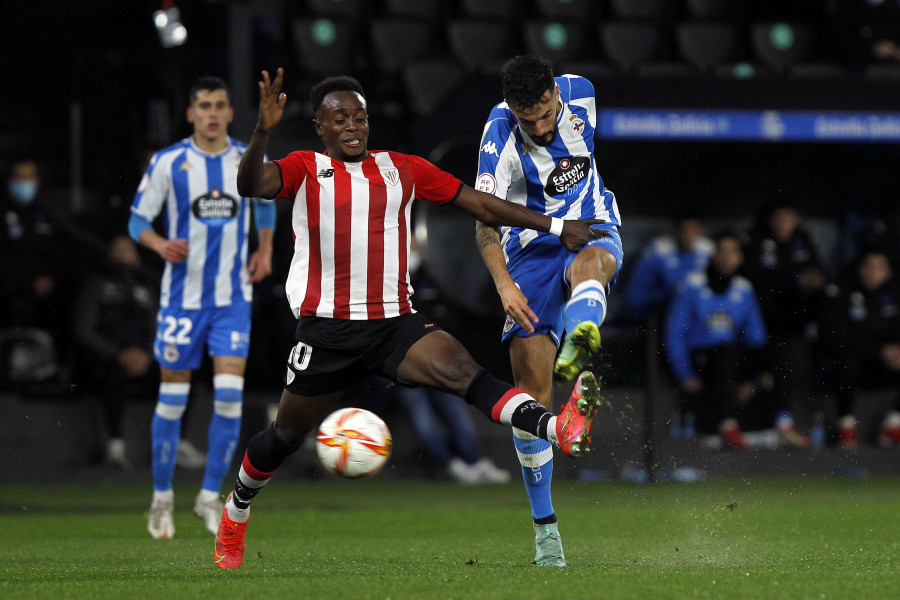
113 338
31 290
715 337
444 428
665 263
860 333
783 264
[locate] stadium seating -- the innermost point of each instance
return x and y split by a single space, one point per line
704 44
656 10
428 81
630 43
581 10
781 45
594 70
501 11
324 46
665 69
556 40
430 10
718 10
480 46
818 70
345 9
396 41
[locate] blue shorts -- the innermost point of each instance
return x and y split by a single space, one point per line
181 334
541 275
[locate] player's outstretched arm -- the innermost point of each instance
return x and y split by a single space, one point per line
491 210
515 304
257 178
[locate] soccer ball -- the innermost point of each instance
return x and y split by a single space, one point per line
353 442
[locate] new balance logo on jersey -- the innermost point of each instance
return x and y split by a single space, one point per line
326 173
490 148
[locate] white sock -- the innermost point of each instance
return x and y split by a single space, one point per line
164 496
551 432
239 515
207 496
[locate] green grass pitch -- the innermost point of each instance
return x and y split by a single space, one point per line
758 538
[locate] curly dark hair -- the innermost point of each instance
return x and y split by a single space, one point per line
526 79
338 83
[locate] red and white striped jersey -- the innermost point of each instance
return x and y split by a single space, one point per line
351 224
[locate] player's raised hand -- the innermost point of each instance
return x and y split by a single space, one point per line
576 234
271 100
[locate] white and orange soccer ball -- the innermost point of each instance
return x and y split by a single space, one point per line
353 442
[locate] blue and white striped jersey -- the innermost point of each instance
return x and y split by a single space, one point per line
196 192
560 179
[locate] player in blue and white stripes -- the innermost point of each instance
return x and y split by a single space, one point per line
537 151
206 289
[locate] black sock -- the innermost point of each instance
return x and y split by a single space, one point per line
265 453
507 405
546 520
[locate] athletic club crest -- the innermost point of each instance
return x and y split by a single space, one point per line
391 176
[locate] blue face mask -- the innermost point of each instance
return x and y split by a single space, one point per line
23 190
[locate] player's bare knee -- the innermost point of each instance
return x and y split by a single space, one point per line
456 375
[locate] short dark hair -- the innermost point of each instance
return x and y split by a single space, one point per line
526 79
338 83
208 83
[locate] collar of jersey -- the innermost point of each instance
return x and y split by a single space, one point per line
197 149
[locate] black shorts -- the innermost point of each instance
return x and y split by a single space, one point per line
335 354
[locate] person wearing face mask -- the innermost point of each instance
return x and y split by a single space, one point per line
32 252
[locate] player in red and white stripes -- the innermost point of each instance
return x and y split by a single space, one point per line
349 287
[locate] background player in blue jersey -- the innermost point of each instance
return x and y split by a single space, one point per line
206 289
715 336
665 262
537 151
